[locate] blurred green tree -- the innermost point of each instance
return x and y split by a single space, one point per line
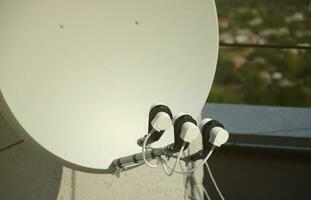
257 75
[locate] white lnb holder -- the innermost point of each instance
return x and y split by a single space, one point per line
189 132
161 122
218 136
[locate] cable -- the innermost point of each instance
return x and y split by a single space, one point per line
204 161
206 193
173 169
193 169
144 150
165 165
185 182
182 168
214 181
196 184
271 46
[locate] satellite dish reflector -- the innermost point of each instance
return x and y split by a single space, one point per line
77 78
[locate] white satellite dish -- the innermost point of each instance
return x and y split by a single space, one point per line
77 78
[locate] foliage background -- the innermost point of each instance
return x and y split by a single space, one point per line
264 76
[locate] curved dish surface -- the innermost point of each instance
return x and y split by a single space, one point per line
77 78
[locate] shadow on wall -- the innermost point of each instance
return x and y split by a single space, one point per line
28 175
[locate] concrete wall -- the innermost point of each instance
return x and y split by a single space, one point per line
268 155
256 174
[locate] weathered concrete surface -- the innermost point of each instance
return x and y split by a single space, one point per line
24 174
141 183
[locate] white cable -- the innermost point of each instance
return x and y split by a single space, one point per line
165 164
206 193
193 169
182 168
178 159
214 181
173 169
144 150
196 185
204 161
